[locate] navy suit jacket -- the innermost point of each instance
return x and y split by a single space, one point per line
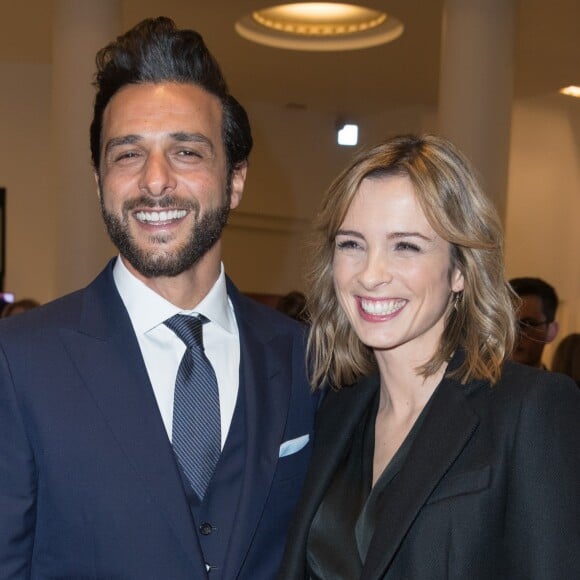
490 488
89 486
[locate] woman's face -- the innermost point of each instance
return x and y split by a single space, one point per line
392 271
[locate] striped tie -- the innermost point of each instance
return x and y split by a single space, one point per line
196 435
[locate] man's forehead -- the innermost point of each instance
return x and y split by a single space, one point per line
163 109
157 99
531 306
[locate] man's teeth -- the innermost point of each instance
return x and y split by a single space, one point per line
381 307
160 216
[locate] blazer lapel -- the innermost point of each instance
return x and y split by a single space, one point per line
264 375
339 416
447 428
334 430
109 360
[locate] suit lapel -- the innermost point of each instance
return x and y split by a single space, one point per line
109 360
449 424
340 414
265 372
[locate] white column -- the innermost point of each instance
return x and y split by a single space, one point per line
80 29
476 86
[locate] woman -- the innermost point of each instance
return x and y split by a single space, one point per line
567 357
440 460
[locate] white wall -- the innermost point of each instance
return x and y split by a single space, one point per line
295 158
543 211
25 171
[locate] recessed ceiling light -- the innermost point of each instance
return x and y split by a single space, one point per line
572 91
347 134
319 26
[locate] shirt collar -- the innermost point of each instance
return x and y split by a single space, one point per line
147 309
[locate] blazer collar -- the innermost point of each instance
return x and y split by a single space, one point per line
340 412
265 376
448 426
348 406
107 355
446 429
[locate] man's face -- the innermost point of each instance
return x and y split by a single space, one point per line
164 189
535 331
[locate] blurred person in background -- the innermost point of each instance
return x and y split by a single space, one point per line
18 307
537 325
567 357
293 304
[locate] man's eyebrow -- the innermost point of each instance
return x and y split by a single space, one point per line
179 136
118 141
185 137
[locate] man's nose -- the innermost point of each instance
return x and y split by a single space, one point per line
157 176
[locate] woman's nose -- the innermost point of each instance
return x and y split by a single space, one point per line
377 270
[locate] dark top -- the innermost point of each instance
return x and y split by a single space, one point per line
345 521
489 488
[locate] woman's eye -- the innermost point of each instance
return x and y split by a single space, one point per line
347 244
407 246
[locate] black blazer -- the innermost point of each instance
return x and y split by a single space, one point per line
490 488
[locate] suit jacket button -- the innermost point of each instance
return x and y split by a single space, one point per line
206 529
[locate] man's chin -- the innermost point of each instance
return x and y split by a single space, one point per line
161 265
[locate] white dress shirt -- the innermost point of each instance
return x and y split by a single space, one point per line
162 350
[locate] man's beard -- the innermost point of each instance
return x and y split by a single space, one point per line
205 233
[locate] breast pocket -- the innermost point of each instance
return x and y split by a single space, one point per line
462 484
294 465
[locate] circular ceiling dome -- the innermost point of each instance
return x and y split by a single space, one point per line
319 26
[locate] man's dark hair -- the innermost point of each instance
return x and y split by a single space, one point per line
538 287
155 51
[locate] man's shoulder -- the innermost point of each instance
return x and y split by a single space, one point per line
62 312
56 312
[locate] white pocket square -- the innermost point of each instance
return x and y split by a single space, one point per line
293 445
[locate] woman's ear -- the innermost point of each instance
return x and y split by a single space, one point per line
457 280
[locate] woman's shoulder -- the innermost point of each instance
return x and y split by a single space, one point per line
532 391
524 390
516 376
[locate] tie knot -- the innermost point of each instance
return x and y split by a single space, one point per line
188 329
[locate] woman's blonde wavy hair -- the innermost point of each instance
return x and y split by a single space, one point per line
481 320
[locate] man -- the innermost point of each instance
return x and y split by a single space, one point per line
92 481
536 317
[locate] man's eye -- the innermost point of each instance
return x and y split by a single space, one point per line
126 155
189 153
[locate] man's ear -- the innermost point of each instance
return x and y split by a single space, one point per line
98 182
552 332
237 185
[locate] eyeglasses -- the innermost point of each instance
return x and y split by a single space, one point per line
527 325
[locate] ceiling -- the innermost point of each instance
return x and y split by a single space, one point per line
404 72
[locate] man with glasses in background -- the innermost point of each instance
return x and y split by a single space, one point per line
536 318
